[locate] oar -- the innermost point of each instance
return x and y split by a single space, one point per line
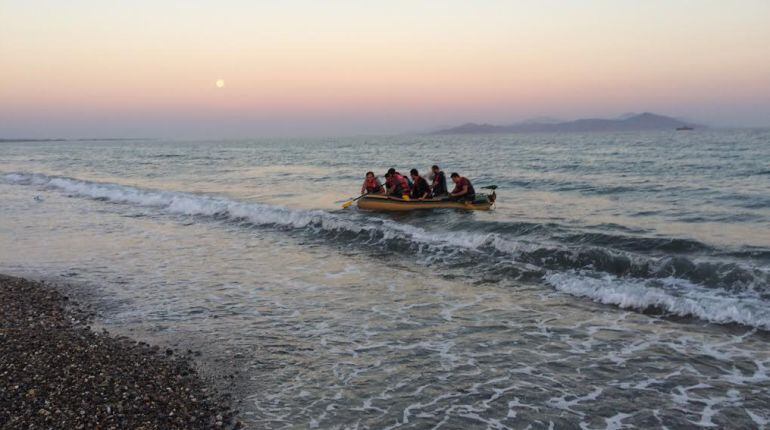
490 187
347 204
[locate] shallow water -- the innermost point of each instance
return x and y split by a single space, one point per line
603 291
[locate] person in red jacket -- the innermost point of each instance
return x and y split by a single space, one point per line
397 185
372 185
463 188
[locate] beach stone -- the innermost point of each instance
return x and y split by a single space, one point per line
51 360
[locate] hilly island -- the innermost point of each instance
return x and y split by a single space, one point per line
632 122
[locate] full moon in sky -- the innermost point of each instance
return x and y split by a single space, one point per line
220 83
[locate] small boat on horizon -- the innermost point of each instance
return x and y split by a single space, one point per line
684 128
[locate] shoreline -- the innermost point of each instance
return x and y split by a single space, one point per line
57 372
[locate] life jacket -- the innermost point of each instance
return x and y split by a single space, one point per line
404 183
439 183
396 181
372 186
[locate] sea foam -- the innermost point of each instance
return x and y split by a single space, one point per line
602 275
672 295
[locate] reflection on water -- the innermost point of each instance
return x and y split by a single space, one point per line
350 320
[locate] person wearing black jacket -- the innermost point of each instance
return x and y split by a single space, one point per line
420 188
439 187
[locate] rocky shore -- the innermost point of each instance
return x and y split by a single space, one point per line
56 372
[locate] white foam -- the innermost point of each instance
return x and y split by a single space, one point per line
676 296
258 214
758 419
264 214
736 376
567 405
615 422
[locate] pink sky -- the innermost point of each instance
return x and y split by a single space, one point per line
88 68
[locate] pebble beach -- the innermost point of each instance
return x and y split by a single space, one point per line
57 372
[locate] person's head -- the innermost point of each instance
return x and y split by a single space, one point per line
391 171
414 173
455 177
435 169
387 175
370 175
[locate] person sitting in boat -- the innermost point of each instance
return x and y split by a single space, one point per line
372 185
420 188
463 189
438 188
396 184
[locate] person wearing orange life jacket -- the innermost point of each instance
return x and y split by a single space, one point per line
463 189
396 184
372 185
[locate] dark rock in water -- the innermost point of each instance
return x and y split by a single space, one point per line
57 373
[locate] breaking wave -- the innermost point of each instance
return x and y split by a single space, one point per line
627 271
672 295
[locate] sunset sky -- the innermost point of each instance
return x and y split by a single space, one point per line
260 68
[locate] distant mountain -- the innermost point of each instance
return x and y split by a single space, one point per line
472 127
628 122
61 139
627 115
542 120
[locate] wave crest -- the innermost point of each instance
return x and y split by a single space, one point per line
601 267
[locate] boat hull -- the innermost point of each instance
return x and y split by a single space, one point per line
384 203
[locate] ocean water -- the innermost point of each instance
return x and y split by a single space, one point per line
622 279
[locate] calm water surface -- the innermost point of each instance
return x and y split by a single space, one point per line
623 279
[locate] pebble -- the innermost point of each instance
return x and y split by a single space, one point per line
52 361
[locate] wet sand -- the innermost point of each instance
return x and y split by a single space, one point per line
56 372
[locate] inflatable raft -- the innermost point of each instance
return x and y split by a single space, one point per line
377 202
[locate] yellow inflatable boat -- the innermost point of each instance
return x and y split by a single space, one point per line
378 202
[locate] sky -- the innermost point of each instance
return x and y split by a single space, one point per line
87 68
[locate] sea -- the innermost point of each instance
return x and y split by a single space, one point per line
621 281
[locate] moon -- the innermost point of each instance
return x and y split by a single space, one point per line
220 83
